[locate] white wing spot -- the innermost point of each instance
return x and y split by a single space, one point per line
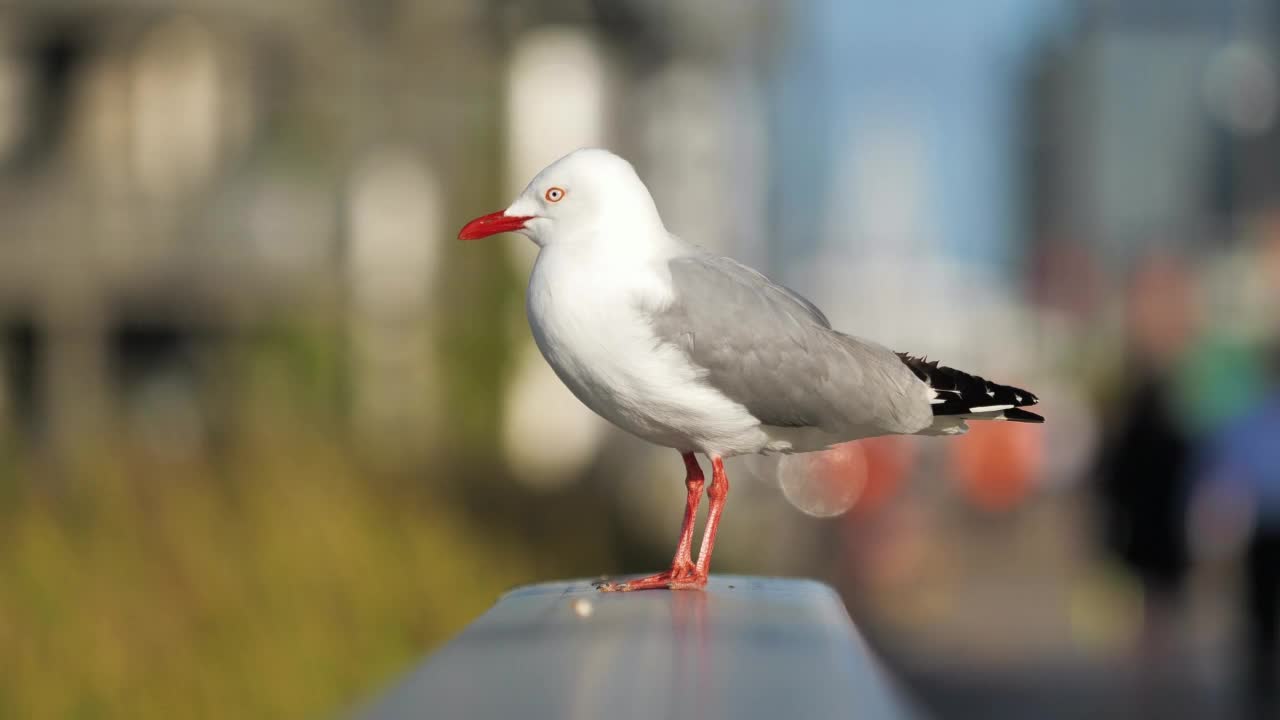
989 408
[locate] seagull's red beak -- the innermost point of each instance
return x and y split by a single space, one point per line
492 224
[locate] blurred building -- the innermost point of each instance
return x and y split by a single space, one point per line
1157 125
171 179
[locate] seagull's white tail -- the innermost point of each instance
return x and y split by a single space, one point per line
958 396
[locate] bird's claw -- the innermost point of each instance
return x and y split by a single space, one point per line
684 577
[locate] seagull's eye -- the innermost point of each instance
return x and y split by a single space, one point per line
554 194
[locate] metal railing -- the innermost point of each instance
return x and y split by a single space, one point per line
745 648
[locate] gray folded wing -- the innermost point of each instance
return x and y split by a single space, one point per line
771 350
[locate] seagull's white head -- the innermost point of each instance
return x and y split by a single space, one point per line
584 196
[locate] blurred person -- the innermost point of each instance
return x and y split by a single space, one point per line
1144 481
1145 461
1243 469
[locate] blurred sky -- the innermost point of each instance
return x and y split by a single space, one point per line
898 127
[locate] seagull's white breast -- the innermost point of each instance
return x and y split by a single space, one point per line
587 314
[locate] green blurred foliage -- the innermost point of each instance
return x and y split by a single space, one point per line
273 576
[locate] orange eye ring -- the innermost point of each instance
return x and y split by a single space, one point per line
554 194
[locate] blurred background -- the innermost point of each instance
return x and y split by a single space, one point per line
268 433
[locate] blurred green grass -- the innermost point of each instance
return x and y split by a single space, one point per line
163 592
274 578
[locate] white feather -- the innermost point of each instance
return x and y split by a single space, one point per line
584 305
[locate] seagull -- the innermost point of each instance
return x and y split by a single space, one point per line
700 353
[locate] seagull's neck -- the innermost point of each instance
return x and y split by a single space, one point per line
639 245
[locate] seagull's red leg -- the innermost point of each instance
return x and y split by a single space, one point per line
683 572
693 482
718 491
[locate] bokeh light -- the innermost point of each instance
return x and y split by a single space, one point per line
824 484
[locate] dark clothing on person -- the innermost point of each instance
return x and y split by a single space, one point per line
1144 483
1262 610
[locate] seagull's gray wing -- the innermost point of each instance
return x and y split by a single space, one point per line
771 350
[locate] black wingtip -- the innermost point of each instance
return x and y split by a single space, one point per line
959 393
1020 415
